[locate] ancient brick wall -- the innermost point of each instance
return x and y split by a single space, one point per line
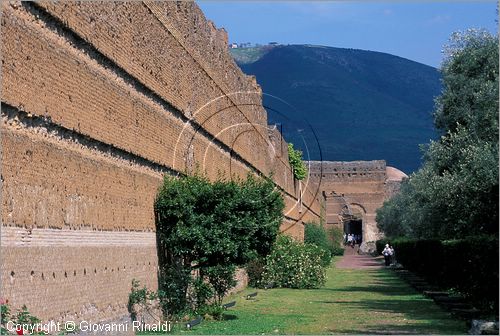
356 188
99 101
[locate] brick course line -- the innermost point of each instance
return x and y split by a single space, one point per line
17 236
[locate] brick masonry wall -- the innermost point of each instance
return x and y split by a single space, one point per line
361 185
99 101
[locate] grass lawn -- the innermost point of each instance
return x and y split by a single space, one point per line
352 302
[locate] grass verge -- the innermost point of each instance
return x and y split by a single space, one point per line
352 302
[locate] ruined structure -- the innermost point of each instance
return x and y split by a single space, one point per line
99 101
353 191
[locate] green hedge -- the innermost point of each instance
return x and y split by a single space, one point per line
330 240
469 266
336 236
316 234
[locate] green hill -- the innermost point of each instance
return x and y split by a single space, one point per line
361 105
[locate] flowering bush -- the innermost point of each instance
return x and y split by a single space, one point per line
293 264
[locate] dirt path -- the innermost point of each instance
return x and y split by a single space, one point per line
353 260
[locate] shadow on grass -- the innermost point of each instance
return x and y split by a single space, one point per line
399 330
417 316
396 290
383 282
229 317
391 307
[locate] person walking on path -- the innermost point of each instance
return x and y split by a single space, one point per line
387 253
393 255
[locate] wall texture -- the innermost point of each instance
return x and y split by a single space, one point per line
356 188
99 101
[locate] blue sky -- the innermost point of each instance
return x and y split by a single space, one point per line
413 30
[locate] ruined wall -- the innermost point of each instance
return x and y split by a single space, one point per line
99 101
358 188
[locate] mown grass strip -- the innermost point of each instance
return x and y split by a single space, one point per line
352 302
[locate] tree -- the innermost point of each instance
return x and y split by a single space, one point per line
470 81
207 225
455 193
213 223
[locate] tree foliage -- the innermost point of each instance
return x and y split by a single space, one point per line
455 193
295 159
211 227
221 222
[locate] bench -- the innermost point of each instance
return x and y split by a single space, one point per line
251 295
467 313
194 322
449 299
269 285
433 294
229 305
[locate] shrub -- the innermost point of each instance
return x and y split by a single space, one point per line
254 269
316 234
202 292
173 286
141 297
210 227
216 311
4 317
336 235
469 266
22 318
221 278
337 251
330 240
294 265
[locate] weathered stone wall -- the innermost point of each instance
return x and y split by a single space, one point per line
357 187
99 101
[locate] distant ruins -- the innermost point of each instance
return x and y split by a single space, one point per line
99 101
353 191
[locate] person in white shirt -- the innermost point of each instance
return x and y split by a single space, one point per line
387 253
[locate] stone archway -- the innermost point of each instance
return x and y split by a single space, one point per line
359 219
353 215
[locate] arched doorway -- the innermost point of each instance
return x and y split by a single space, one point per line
352 218
354 226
